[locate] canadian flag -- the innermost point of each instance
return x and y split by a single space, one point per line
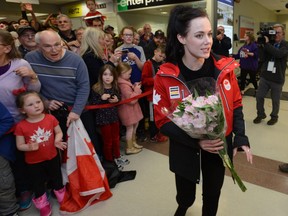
86 182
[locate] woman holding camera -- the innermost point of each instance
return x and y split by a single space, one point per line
248 55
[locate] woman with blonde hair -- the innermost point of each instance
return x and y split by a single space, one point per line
92 52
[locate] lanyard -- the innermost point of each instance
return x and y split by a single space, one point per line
277 46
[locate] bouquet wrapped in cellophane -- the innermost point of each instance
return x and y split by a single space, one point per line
202 117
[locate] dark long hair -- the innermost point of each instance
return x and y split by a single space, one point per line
179 23
7 39
99 86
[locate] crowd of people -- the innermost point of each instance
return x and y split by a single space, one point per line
50 72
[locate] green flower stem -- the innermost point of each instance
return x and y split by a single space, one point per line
227 163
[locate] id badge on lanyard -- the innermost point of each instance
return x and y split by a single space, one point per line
271 64
271 67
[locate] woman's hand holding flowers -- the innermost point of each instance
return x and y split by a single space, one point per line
212 146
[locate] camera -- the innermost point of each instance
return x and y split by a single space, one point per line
268 32
219 32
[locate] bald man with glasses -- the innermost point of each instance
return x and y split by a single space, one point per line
63 76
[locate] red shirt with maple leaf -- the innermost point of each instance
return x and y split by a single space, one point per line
41 132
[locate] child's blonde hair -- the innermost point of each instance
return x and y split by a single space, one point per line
122 67
90 42
161 48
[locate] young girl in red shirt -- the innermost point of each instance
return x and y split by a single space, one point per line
39 135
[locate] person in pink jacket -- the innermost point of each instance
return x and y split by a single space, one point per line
129 113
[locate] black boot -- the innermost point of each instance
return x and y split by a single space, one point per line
181 211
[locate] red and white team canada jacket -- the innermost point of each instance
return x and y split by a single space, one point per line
169 89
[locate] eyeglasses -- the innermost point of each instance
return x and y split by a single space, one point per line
49 48
28 35
128 35
278 32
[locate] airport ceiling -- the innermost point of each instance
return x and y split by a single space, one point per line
277 6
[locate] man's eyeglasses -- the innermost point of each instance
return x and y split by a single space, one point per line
128 35
49 48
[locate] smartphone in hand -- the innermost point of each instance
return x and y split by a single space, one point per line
125 51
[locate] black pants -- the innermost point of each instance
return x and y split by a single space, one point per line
252 75
89 121
212 176
45 171
276 91
144 105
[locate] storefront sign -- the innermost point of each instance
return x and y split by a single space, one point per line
125 5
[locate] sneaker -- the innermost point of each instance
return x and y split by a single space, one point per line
49 194
272 121
121 161
142 138
283 167
25 200
132 150
120 167
258 119
153 139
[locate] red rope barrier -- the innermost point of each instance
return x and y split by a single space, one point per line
89 107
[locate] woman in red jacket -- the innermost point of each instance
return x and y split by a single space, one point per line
189 57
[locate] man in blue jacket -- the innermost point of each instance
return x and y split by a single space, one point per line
8 201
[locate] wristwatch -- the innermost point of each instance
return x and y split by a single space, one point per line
35 77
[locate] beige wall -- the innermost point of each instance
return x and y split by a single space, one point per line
253 10
138 21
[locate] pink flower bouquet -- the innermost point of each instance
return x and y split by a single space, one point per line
202 117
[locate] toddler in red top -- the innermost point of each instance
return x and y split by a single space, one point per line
38 135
